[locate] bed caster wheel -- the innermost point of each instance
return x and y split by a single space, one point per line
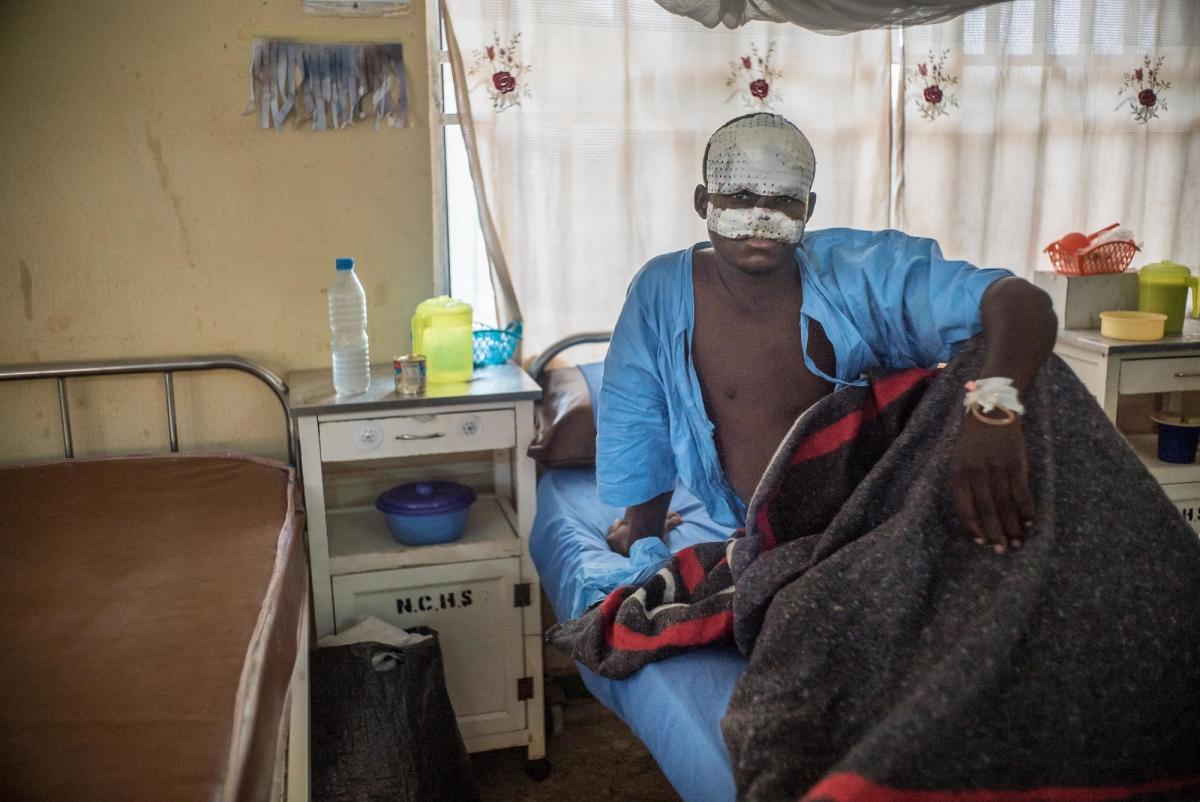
537 770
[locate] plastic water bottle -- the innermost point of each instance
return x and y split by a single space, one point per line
348 322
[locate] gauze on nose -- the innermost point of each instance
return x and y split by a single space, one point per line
757 222
764 154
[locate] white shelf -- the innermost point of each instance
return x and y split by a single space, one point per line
359 540
1165 473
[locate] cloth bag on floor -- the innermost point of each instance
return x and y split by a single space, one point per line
383 727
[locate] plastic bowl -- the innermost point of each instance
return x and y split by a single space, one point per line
1139 326
1177 438
426 513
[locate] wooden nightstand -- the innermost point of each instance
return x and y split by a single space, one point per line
480 592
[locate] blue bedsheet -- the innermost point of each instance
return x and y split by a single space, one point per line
674 706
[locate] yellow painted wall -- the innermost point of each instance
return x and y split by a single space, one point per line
141 214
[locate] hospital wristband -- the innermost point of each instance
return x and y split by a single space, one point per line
986 395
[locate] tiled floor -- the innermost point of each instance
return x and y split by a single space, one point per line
596 757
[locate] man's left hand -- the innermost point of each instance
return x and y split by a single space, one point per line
991 484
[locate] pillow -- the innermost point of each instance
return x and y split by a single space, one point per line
565 418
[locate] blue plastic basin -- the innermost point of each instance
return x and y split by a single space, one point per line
426 513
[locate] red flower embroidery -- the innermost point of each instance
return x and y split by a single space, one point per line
1143 90
935 86
753 80
504 82
502 72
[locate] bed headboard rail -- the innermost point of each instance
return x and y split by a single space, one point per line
554 349
168 367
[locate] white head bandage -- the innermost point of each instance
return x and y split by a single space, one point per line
757 222
762 153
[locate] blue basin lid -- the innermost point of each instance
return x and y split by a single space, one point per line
425 498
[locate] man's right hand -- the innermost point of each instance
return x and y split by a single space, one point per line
620 535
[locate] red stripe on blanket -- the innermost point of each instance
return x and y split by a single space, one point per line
763 522
888 389
831 438
846 787
689 568
608 611
840 432
698 632
609 607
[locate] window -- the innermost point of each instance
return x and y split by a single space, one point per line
463 271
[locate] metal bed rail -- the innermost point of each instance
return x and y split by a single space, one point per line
168 367
538 366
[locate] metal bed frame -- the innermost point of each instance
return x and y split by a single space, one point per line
296 764
539 365
168 367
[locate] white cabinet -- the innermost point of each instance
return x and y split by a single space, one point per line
479 592
1128 379
474 608
1187 499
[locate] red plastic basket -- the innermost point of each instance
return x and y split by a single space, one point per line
1111 257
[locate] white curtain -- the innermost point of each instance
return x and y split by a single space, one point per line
1050 120
994 133
591 132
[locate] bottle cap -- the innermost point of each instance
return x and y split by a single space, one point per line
345 263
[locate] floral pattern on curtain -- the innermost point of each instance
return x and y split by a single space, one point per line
994 133
1072 114
593 173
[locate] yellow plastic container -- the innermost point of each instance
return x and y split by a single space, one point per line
1163 288
1140 326
441 331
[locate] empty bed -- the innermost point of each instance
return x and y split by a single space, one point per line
153 619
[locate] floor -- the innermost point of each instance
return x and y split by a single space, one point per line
595 757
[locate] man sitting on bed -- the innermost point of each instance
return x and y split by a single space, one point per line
708 370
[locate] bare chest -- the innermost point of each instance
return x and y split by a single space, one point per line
753 378
756 361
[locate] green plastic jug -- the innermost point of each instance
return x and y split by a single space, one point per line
1163 287
441 331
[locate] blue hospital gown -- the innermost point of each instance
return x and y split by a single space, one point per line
884 299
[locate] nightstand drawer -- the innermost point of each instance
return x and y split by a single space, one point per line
411 435
1160 375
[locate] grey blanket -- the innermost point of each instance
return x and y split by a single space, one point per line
891 658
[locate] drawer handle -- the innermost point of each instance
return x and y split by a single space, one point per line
433 436
1187 375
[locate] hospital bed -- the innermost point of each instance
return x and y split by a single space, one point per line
674 706
153 616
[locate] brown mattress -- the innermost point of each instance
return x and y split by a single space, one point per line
149 615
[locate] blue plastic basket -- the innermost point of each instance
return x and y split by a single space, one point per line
496 346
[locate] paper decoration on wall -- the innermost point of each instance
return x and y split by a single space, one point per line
330 84
357 8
